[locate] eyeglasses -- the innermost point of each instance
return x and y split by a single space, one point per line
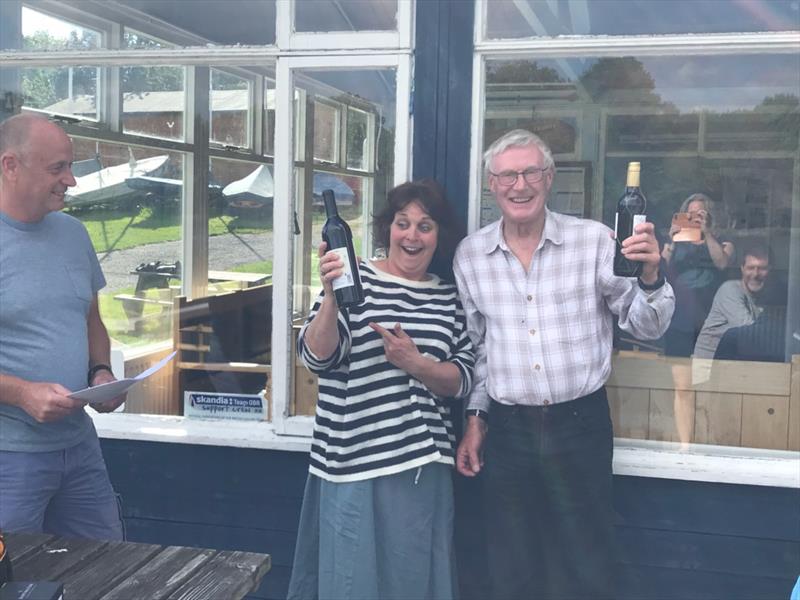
509 178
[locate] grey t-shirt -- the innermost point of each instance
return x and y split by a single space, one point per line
49 273
733 306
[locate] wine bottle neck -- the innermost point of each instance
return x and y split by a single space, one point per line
330 206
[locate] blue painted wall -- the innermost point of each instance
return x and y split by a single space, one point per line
677 539
442 97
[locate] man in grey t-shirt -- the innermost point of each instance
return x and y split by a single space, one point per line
52 342
736 302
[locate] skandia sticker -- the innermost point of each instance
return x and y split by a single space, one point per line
224 406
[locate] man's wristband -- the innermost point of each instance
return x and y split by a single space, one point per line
477 412
650 287
93 371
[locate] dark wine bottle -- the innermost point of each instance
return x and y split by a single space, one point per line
336 233
630 212
5 562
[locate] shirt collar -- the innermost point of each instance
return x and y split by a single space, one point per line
553 231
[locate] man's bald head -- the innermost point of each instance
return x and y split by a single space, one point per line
16 132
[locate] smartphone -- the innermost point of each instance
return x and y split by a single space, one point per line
689 232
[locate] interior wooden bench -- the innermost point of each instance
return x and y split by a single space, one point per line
223 344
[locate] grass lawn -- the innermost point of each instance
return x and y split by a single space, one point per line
119 230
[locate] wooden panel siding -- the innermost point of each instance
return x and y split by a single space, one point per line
155 395
749 404
794 406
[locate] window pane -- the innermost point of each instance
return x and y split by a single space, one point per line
359 190
246 22
230 109
240 223
359 126
153 98
153 101
326 132
62 90
549 18
129 199
346 15
726 127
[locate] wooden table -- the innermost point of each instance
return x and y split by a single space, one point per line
92 569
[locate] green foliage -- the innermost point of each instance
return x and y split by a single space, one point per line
520 71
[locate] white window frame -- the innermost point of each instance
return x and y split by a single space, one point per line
283 277
643 458
392 50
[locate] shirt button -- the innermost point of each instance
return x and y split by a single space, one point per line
537 366
649 300
546 402
530 298
532 331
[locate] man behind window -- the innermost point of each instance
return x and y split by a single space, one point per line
52 341
539 293
736 303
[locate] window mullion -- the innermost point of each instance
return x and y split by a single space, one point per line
195 208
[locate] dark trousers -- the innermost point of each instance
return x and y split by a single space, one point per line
549 502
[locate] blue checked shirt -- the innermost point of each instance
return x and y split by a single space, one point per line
544 336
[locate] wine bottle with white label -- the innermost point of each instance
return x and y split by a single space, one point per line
336 233
630 212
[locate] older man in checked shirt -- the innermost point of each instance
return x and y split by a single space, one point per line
539 293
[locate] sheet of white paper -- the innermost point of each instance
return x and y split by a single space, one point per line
108 391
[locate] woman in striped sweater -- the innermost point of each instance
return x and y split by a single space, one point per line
377 517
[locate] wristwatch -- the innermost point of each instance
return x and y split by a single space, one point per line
650 287
477 412
93 371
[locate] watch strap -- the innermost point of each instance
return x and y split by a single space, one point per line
93 371
651 287
477 412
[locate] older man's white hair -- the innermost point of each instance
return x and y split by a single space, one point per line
517 138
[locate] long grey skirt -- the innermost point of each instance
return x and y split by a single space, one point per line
381 539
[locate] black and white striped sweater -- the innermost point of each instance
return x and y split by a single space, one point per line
374 419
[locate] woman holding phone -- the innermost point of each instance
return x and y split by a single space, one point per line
696 258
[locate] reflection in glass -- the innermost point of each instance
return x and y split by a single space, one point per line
346 15
246 22
230 109
62 90
358 138
269 117
153 98
548 18
723 126
326 132
240 246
